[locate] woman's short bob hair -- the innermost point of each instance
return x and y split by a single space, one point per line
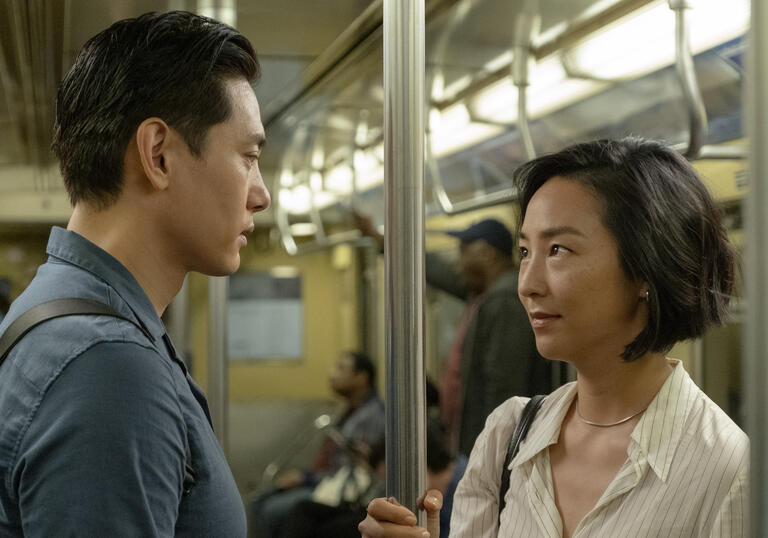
669 231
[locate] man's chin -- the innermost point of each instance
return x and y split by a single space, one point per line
223 269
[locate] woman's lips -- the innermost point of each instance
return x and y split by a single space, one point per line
540 320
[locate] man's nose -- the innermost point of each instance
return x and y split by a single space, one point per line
258 195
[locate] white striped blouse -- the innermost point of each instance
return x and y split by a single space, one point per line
685 475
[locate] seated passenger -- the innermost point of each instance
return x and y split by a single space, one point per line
361 424
624 253
317 519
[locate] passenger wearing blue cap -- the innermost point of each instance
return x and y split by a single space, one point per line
494 352
493 355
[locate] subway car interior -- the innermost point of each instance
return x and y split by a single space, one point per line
504 81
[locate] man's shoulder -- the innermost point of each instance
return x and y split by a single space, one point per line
506 283
48 348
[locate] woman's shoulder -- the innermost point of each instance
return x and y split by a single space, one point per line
715 428
503 420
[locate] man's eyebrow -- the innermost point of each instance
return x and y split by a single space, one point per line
553 232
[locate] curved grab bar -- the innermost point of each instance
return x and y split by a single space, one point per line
687 74
526 27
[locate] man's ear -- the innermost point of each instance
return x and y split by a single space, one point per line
153 138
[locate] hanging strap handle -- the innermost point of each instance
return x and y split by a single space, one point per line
521 431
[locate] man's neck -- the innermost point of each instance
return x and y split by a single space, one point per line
131 240
492 274
358 397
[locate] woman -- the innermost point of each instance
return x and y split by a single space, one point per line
623 254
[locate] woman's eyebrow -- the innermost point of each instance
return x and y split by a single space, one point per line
553 232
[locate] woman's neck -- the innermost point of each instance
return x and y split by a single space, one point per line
612 391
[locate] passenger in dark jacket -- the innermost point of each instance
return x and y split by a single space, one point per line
494 353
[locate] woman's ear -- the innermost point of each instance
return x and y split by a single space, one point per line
645 292
152 141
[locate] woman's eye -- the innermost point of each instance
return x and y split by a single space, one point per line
523 252
556 250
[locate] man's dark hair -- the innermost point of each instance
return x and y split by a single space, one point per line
363 363
167 65
668 229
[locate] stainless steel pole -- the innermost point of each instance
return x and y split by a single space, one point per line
404 247
755 378
218 386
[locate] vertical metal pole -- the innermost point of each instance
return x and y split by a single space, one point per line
756 278
218 387
404 247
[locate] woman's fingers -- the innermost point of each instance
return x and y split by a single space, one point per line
389 510
432 502
370 528
387 518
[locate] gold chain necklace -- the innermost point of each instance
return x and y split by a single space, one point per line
622 421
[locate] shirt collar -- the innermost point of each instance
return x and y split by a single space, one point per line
73 248
657 434
545 429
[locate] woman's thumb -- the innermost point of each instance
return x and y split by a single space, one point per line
432 503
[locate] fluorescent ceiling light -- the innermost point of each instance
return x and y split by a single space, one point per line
318 158
324 199
316 181
286 178
339 179
296 201
456 86
222 10
301 229
644 41
284 271
453 130
361 133
550 89
365 161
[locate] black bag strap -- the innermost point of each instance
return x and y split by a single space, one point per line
521 431
74 306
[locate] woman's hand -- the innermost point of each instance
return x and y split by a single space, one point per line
387 518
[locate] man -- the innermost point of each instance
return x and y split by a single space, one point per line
360 426
494 355
158 132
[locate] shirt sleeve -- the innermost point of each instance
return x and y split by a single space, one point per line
476 502
104 454
442 275
732 519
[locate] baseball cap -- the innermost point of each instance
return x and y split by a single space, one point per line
492 231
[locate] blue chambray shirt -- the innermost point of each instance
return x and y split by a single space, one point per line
94 417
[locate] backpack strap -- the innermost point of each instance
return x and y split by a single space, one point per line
55 309
521 431
74 306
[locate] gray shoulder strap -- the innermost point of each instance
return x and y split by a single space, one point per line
55 309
